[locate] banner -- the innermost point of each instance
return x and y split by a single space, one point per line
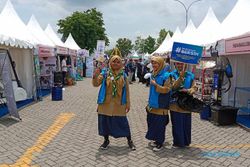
62 50
45 51
186 53
7 84
90 67
47 67
100 48
83 53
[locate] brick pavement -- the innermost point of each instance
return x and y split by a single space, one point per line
76 143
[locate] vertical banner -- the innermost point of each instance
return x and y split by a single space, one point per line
186 53
5 73
90 67
100 47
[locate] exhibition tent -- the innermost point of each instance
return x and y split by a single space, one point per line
209 29
236 23
70 43
36 30
19 41
13 31
162 48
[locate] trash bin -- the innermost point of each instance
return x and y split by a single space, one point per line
205 114
223 115
57 93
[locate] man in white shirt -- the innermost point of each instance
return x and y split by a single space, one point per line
64 70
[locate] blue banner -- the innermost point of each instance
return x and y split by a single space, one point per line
186 53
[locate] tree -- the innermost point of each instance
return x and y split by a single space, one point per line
162 35
149 46
108 52
139 45
86 28
125 46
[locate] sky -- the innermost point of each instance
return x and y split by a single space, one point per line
124 18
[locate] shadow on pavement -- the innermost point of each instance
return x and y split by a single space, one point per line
113 151
187 153
8 121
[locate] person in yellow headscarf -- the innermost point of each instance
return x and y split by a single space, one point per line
113 101
158 103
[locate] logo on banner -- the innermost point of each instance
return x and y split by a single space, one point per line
186 53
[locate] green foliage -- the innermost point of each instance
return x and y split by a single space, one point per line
124 45
108 52
139 45
149 46
144 45
86 28
162 35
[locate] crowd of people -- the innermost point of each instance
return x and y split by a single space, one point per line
113 101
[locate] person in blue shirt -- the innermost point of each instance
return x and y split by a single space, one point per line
181 118
158 104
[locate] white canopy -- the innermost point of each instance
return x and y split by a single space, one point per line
53 37
189 35
134 56
209 30
175 38
162 48
13 31
237 21
35 28
70 43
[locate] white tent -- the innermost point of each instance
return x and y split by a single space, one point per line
53 37
162 48
70 43
189 35
237 21
175 38
13 31
146 56
15 34
134 56
209 29
35 28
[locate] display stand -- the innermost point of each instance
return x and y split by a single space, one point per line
243 116
204 83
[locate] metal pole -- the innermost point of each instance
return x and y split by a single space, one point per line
187 8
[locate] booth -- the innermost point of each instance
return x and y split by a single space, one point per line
237 49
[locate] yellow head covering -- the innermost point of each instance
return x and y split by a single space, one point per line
161 63
116 54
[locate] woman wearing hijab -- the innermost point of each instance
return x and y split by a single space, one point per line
158 103
113 101
180 118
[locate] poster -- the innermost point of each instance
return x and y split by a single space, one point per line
48 67
186 53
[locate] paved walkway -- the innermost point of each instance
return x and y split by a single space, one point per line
64 133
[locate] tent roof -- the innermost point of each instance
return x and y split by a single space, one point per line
236 23
162 48
70 42
176 37
209 29
135 56
189 35
35 28
53 37
13 31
